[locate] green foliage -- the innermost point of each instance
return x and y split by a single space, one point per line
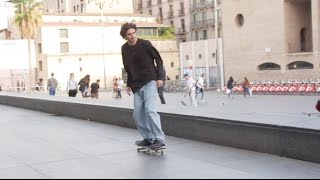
28 17
165 33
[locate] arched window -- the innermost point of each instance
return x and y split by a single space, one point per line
300 65
269 66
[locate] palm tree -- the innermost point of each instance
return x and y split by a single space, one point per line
28 18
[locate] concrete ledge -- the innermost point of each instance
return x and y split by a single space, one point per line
297 143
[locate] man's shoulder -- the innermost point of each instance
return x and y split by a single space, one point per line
125 45
144 42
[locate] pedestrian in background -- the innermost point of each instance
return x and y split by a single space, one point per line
230 87
84 86
72 86
200 87
52 85
191 89
161 88
95 89
246 87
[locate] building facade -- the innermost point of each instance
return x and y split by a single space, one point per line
174 13
6 14
203 19
271 39
79 44
88 6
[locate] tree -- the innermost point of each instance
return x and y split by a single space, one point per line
167 32
28 18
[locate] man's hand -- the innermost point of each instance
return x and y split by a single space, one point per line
159 83
129 91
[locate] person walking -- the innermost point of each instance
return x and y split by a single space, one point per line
120 84
72 86
200 86
191 90
161 88
95 89
52 85
144 67
246 87
230 87
84 86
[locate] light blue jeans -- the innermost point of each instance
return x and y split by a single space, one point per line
145 115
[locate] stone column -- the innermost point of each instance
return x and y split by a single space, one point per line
315 6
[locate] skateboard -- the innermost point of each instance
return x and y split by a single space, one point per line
311 114
152 152
183 103
202 102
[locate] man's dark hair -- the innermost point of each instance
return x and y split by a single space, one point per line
125 27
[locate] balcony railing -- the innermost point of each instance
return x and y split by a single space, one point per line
203 5
199 6
181 31
204 24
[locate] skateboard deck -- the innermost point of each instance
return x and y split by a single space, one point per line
183 103
152 152
202 102
311 114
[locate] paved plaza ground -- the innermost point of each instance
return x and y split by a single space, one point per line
40 145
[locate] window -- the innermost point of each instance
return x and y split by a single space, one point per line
239 20
171 24
160 13
63 33
64 47
82 8
300 65
39 48
269 66
40 66
150 12
172 64
181 11
183 26
204 34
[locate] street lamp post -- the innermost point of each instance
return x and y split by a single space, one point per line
101 5
216 32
